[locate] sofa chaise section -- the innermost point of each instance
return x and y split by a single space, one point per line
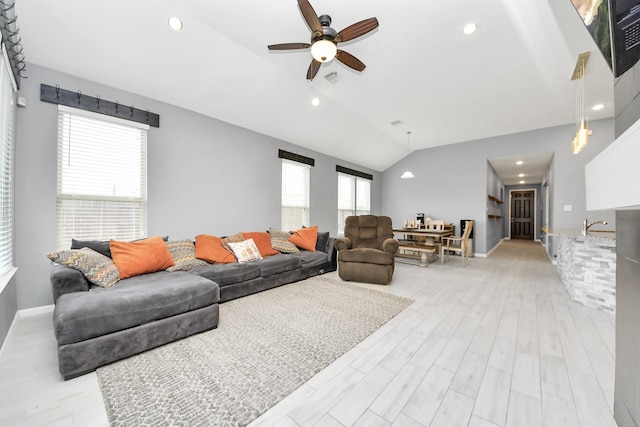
95 326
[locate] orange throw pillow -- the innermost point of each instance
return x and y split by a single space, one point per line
305 238
141 256
262 241
210 249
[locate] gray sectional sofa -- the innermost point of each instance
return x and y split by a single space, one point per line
95 326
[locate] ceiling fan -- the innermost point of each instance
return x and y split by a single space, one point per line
324 40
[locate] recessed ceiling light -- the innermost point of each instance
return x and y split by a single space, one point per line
519 162
175 24
520 175
521 182
597 107
470 28
315 102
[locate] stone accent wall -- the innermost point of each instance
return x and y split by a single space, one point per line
587 267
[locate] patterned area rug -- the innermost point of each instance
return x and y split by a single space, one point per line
266 346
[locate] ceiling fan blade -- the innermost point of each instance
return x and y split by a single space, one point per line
356 30
349 60
310 16
313 69
288 46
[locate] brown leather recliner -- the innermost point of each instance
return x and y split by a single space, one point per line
366 253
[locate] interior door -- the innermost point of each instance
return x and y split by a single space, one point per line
522 211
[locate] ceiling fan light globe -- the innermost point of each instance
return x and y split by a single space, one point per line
323 50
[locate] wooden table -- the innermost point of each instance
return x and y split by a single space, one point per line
423 241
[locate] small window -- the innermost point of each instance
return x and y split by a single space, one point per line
102 177
295 195
7 114
354 198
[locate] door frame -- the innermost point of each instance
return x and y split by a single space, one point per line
535 211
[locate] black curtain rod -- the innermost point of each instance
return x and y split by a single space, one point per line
55 95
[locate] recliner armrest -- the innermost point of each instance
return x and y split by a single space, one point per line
390 245
343 243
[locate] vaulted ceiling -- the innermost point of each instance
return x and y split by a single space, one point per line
512 75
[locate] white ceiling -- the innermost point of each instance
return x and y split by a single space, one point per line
512 75
531 170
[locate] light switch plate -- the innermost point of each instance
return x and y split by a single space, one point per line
568 208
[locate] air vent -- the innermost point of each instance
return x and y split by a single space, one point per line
396 122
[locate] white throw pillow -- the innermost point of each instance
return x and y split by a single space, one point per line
245 251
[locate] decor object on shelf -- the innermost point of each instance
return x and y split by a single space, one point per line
324 40
408 174
366 253
457 244
581 138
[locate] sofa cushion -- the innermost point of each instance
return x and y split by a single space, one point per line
322 244
280 242
278 264
210 249
225 274
245 251
366 255
96 267
140 257
183 253
262 241
131 302
305 238
311 259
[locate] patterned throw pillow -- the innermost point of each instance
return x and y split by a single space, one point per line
183 253
97 268
245 251
280 242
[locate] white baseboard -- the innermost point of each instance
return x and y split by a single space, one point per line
495 247
34 311
21 314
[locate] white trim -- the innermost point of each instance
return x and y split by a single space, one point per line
10 334
34 311
6 61
6 277
102 117
493 248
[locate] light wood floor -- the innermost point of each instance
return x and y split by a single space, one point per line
496 343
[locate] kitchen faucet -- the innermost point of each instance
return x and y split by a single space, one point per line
586 225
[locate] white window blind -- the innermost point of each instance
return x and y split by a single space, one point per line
354 198
295 195
7 114
102 177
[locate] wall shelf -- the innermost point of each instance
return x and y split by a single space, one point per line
495 199
495 216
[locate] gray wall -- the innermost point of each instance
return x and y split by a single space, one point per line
496 188
451 181
626 409
8 308
204 176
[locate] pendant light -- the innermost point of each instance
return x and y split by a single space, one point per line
408 174
581 137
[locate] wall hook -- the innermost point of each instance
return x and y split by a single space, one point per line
131 111
79 96
58 91
117 105
98 102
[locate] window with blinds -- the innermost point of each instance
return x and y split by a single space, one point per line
7 114
354 198
102 177
295 195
